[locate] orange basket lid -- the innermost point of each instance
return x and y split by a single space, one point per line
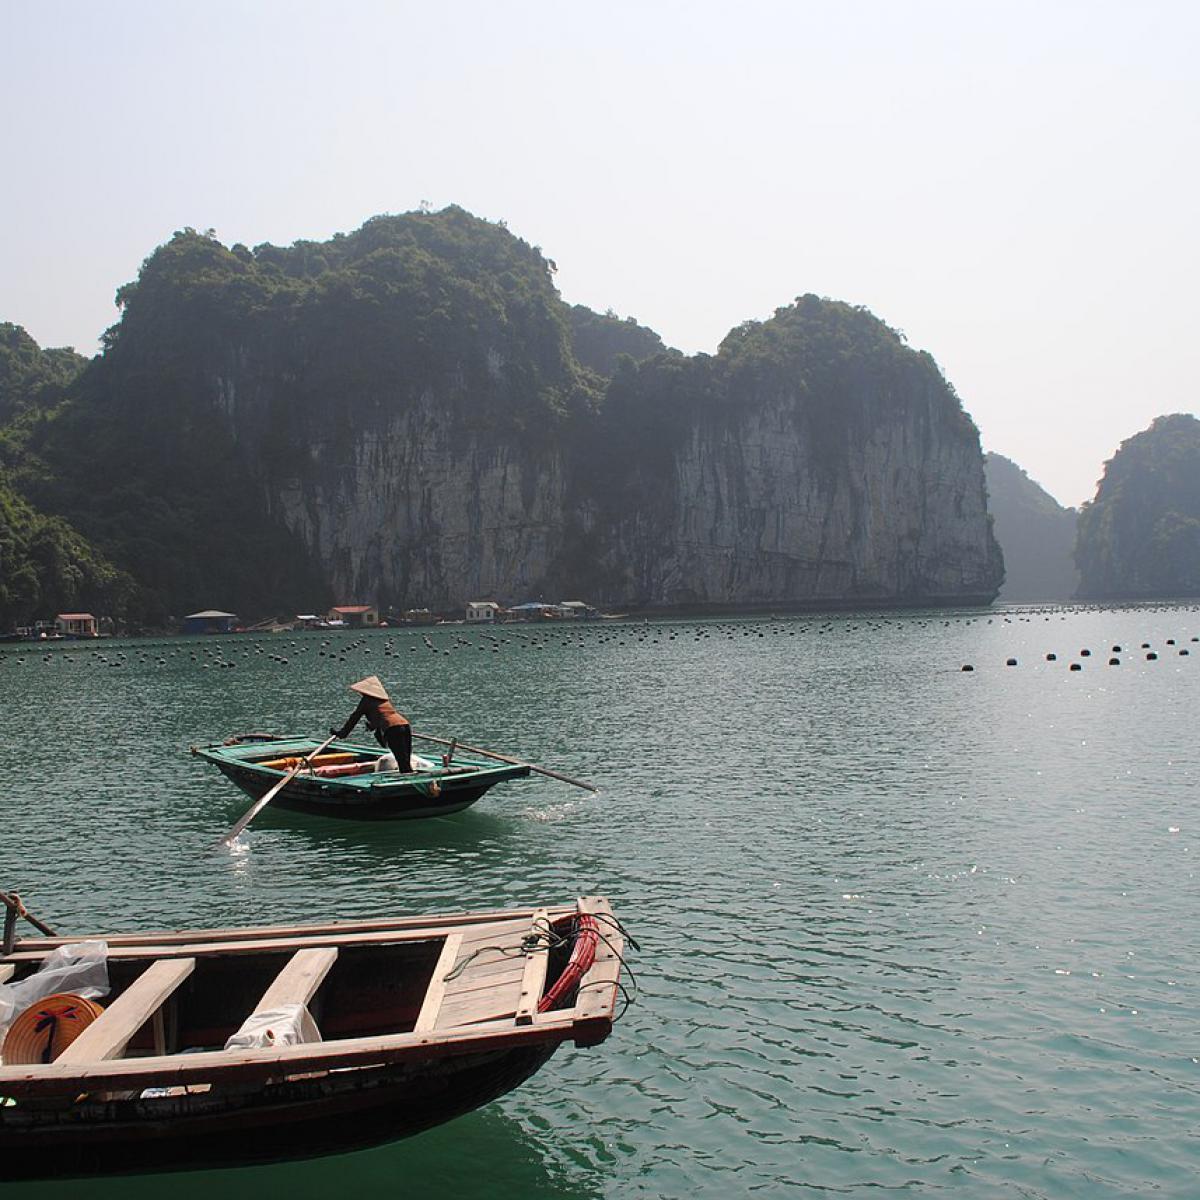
46 1028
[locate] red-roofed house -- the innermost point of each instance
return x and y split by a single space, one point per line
357 616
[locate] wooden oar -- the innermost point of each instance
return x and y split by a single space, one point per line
266 799
516 762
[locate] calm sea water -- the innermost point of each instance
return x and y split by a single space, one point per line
903 927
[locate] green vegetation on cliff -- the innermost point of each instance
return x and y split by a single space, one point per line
837 367
601 339
1140 537
30 377
1036 533
46 567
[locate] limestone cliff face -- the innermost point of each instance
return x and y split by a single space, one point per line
863 488
763 519
852 480
424 513
744 508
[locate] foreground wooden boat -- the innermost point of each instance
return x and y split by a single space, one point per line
422 1019
344 780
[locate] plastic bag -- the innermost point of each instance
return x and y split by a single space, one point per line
80 968
287 1025
387 762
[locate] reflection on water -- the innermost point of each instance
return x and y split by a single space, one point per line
451 1160
902 926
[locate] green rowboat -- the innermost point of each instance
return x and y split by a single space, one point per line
349 780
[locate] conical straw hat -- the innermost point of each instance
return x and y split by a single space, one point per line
45 1029
371 686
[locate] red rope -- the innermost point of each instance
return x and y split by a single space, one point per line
583 954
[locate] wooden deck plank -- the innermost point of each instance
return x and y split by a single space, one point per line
465 985
488 1004
435 993
108 1035
6 972
500 933
485 965
297 983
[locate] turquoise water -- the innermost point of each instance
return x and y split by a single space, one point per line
902 927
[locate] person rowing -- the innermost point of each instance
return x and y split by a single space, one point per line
391 728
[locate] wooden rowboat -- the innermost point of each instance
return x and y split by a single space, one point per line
344 780
417 1020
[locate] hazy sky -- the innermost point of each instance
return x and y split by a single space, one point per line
1014 185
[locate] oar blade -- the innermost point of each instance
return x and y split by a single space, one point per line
228 839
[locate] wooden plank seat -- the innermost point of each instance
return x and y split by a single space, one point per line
533 977
108 1035
435 993
297 983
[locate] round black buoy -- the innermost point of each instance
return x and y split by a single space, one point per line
1114 662
967 667
1084 653
1052 657
1076 667
1012 662
1151 656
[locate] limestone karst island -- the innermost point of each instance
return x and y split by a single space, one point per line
410 416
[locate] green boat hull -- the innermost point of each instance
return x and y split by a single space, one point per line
382 796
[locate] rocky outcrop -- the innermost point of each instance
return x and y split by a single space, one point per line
1140 537
1036 533
426 513
816 460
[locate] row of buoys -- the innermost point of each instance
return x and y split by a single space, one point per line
1151 656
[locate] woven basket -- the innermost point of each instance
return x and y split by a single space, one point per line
45 1029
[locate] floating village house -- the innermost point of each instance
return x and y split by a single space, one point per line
355 616
211 620
577 609
482 610
81 625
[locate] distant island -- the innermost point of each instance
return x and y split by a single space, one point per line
1036 533
410 415
1140 537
